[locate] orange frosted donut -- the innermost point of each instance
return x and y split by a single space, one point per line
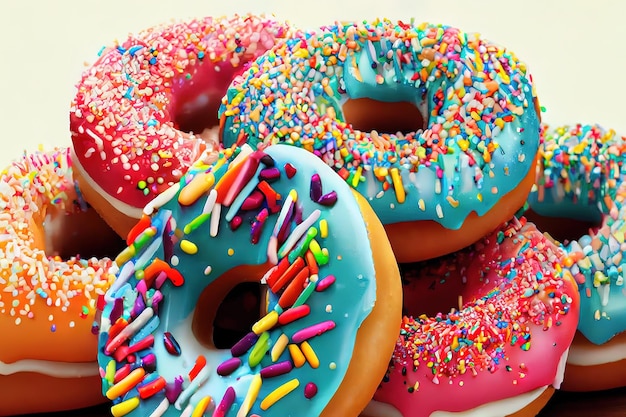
140 111
277 215
437 128
48 295
487 330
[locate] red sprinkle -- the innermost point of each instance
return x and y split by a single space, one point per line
290 170
294 314
197 367
310 390
149 389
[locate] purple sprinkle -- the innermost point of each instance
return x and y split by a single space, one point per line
171 345
310 390
269 174
328 199
117 310
148 362
227 401
316 187
241 347
228 366
276 369
173 390
139 306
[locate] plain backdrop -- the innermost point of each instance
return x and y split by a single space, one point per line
575 49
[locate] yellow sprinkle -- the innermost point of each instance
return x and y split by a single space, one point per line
454 203
266 322
397 185
126 384
294 195
125 407
251 395
231 252
421 204
199 185
125 255
110 372
201 407
279 393
323 228
188 247
279 347
309 354
297 356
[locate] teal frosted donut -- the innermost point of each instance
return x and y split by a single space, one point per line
430 124
579 198
279 216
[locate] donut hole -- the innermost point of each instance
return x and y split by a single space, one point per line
196 99
83 233
366 115
565 229
227 309
428 295
236 314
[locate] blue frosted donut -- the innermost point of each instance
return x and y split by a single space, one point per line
579 198
280 216
432 125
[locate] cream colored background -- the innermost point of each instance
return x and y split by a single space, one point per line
575 49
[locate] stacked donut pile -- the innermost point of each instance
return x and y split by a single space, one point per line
417 242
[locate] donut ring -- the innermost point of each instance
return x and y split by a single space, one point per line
579 200
268 215
464 163
134 106
48 300
502 351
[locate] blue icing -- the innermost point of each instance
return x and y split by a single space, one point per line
348 302
482 127
583 179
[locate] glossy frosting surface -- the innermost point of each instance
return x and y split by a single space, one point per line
481 127
299 190
580 176
514 323
126 116
44 298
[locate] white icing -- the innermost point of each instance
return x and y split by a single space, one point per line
493 409
123 208
590 355
560 370
498 408
51 368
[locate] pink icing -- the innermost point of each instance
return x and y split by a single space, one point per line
518 317
135 106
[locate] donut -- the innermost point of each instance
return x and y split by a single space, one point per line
48 294
278 216
143 111
579 201
437 128
486 331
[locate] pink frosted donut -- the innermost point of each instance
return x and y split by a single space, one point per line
138 117
501 348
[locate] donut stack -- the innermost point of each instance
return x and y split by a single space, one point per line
332 222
